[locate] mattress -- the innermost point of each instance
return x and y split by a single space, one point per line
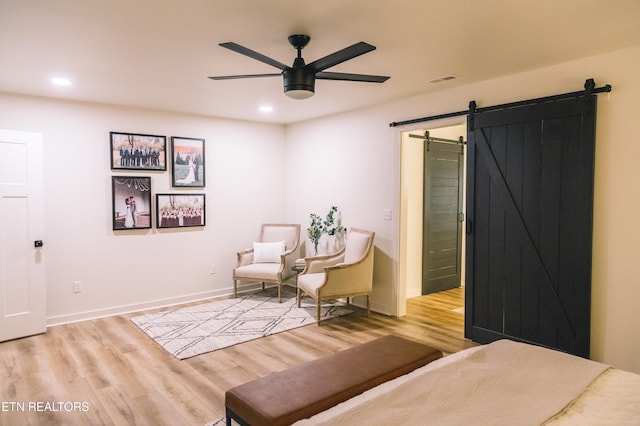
503 383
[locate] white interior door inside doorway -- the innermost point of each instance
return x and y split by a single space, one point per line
22 270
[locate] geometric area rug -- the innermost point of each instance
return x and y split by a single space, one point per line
195 330
219 422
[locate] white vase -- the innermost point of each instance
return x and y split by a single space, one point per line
310 251
330 244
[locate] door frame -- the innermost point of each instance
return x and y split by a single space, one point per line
410 200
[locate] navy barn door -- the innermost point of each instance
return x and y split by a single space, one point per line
529 224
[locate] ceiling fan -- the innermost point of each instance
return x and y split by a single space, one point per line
300 78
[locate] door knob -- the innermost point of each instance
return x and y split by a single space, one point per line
38 243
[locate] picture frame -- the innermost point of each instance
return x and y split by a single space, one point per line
137 151
188 162
180 210
131 202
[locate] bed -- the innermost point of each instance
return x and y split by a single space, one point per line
502 383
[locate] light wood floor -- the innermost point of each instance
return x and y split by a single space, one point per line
119 376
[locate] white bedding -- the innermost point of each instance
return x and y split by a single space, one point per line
503 383
612 399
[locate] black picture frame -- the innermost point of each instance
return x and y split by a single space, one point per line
188 162
180 210
137 151
131 202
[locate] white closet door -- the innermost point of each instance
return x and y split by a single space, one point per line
22 269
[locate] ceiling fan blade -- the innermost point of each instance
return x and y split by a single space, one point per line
234 77
341 56
351 77
253 54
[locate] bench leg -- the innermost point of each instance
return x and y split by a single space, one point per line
236 419
319 309
235 289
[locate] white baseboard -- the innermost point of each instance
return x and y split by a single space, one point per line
136 307
160 303
414 293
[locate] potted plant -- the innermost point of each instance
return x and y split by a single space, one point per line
331 225
315 231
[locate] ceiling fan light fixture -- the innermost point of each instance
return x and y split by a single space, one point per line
299 94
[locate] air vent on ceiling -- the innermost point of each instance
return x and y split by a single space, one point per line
445 78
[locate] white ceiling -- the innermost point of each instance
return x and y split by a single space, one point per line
159 53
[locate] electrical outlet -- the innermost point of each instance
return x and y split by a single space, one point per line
386 214
212 269
77 286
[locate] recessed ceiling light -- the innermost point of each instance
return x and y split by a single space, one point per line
59 81
266 108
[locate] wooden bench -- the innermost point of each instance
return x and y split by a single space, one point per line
301 391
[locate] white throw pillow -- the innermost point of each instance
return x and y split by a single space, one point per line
267 252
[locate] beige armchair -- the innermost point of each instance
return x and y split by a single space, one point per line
271 257
344 274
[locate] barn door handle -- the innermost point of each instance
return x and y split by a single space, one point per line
469 226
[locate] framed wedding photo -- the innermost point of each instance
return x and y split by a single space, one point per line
133 151
131 202
188 162
180 210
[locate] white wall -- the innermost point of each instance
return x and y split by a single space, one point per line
352 160
411 213
130 270
349 161
260 172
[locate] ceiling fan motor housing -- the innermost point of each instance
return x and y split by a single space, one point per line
299 79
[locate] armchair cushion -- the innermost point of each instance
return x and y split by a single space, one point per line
312 282
357 245
268 252
258 271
